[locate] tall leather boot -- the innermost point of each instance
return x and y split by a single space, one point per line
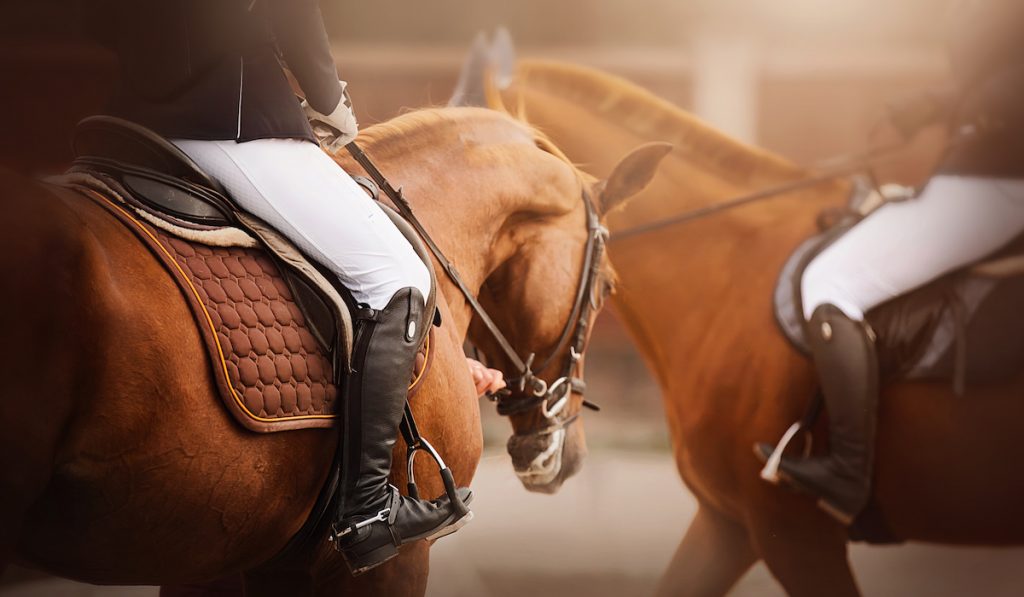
844 354
373 519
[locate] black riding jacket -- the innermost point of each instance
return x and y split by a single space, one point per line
212 69
986 49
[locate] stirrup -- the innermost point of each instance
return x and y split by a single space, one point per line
770 472
417 443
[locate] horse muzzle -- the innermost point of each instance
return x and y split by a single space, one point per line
543 461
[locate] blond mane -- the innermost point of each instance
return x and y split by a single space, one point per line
651 117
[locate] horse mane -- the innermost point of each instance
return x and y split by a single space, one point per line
649 116
415 127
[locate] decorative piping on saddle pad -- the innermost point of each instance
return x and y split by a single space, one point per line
215 237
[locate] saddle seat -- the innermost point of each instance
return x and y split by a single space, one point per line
964 327
277 327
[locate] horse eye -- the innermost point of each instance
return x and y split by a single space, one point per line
600 293
607 288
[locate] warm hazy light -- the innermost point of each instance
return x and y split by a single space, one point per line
815 14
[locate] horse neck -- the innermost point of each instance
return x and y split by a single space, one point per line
705 287
469 228
701 292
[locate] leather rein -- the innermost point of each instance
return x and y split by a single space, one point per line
533 391
838 167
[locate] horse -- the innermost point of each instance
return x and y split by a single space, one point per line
126 470
697 300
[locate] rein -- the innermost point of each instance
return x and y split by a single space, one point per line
574 335
849 165
710 210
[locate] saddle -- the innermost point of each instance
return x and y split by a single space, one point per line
964 327
277 327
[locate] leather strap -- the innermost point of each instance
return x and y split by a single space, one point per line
403 207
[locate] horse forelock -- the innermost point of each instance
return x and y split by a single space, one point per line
651 117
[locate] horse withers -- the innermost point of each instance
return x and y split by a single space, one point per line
125 470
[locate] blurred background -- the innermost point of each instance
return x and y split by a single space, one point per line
804 78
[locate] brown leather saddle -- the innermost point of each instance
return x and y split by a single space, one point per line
964 327
277 327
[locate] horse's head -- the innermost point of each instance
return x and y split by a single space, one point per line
545 298
560 279
523 226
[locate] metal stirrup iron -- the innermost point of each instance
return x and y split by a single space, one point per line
416 443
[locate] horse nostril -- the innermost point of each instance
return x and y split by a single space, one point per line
524 450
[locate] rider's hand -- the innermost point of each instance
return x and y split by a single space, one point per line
487 380
342 120
912 114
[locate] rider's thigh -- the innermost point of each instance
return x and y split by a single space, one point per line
954 221
297 188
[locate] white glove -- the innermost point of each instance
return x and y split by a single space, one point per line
337 129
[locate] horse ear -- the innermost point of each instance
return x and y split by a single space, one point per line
503 58
631 175
470 90
495 58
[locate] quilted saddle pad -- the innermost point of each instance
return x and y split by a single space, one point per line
271 373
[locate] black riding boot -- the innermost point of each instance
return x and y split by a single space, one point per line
844 354
373 519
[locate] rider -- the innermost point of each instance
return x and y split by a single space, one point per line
972 206
209 76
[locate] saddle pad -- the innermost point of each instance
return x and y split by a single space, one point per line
271 372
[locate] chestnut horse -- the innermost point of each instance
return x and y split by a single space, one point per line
118 465
697 299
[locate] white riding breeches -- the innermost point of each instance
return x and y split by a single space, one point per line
297 188
954 221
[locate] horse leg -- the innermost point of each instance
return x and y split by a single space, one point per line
805 550
714 553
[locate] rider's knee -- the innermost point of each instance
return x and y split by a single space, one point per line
820 286
418 275
405 270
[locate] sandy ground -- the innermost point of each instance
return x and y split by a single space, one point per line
611 531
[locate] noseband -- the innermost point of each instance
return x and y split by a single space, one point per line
532 391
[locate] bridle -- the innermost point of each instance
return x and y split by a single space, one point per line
531 390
